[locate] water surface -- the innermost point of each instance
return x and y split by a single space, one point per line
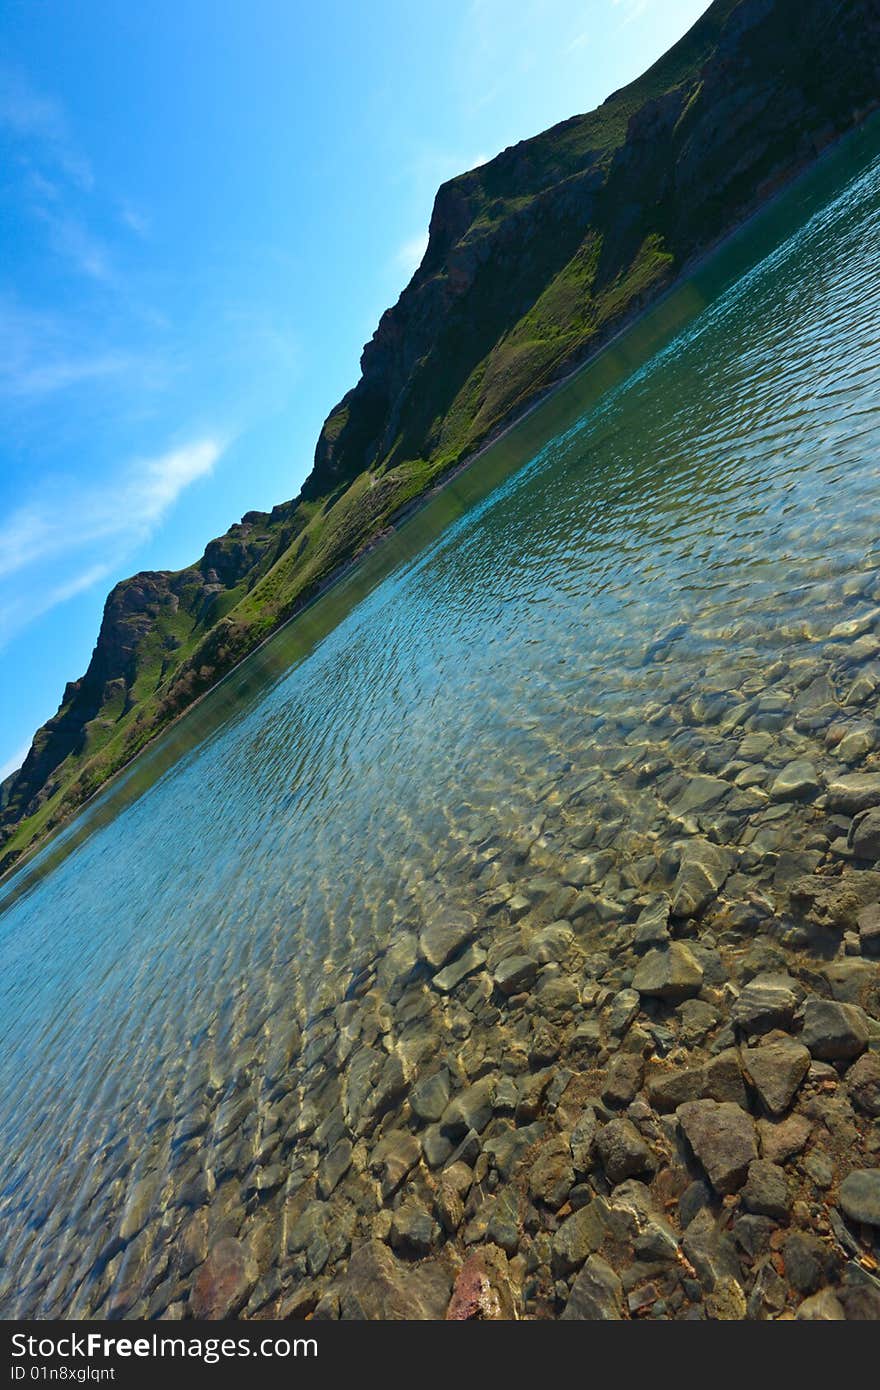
691 539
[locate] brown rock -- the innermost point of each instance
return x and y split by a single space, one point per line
224 1282
722 1137
378 1286
776 1070
781 1140
483 1291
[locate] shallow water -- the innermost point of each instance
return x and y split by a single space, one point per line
664 575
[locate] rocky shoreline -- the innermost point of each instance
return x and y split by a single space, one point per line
646 1085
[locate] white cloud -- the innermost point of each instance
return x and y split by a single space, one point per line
159 481
59 525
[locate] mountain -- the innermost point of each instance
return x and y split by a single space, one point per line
534 261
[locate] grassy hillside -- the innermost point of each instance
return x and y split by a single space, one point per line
533 261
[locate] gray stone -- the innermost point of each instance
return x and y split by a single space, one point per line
579 1236
470 1109
413 1229
623 1010
583 1140
669 1086
623 1078
766 1190
710 1250
776 1070
443 938
551 1177
436 1146
470 960
623 1151
864 835
782 1139
516 974
808 1261
768 1001
860 1196
723 1078
702 870
863 1084
824 1306
722 1137
832 1031
857 791
700 793
506 1149
652 924
505 1222
596 1295
796 782
334 1167
869 930
393 1157
430 1096
696 1196
670 972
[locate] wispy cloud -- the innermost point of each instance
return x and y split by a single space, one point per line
70 238
41 354
408 256
134 219
631 10
38 118
58 525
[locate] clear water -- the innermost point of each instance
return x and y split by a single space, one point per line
697 532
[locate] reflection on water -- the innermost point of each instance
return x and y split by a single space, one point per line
679 556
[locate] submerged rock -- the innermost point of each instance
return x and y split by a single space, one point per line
776 1070
377 1285
671 972
722 1137
833 1031
224 1281
769 1001
442 939
596 1294
796 782
860 1196
483 1290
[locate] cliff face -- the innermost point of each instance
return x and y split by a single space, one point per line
532 257
533 261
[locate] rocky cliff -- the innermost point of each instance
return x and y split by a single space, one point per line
534 260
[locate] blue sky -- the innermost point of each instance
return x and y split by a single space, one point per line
206 205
